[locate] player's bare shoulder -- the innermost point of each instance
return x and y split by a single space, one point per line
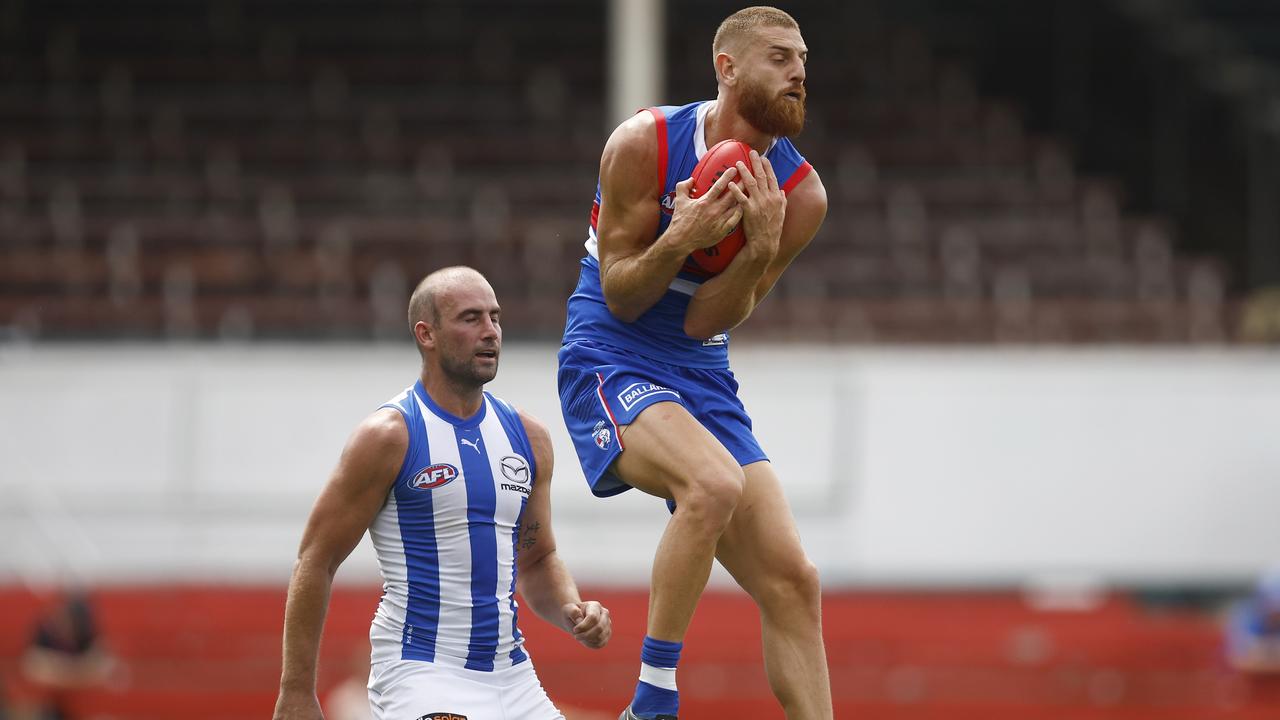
629 191
384 429
378 444
535 429
806 209
633 144
809 194
540 441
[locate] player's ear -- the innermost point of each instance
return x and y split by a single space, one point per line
726 69
424 334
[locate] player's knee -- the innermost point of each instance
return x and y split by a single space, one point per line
793 585
714 494
806 583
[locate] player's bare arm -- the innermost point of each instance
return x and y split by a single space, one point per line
726 300
542 578
635 270
347 505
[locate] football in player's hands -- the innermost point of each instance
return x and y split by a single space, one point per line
718 158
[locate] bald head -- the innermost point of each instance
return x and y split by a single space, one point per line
744 24
454 319
424 304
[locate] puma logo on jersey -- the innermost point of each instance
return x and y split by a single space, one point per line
473 444
715 340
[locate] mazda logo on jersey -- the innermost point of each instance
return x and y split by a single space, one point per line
515 469
430 478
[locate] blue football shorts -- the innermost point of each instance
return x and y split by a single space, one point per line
603 388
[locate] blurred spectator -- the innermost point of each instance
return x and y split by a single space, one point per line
1253 628
65 656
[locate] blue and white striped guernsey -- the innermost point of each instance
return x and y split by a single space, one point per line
446 538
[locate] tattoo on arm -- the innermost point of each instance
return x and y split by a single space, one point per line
529 535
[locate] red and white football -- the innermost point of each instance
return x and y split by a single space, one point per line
718 158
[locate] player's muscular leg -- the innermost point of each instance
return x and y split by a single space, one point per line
671 455
761 549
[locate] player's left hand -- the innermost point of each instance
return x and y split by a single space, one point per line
764 206
589 622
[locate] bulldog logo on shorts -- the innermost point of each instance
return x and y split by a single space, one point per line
443 716
602 436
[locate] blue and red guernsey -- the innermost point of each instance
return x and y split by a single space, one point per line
659 334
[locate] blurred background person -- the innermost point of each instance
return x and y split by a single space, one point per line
1253 629
66 655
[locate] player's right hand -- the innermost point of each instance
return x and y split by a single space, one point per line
297 706
589 623
703 222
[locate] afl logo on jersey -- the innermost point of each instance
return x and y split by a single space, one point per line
433 477
668 203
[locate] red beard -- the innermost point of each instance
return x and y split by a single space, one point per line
771 114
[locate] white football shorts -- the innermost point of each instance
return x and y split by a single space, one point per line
417 690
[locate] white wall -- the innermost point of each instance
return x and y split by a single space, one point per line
903 466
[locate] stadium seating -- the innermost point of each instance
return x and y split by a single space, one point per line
265 170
